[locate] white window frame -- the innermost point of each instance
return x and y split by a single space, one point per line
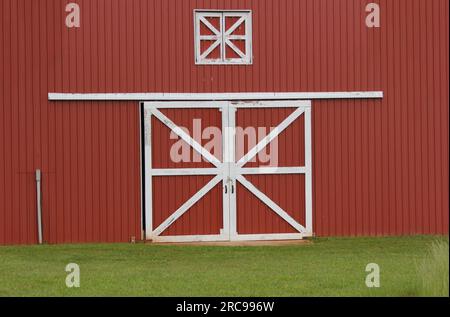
223 38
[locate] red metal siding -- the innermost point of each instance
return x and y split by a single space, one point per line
254 217
287 191
162 142
203 218
169 193
380 166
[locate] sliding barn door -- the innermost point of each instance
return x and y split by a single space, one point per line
272 176
184 174
217 171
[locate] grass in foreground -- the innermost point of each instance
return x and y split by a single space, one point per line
328 267
433 270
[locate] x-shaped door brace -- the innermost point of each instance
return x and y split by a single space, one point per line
204 153
240 171
237 170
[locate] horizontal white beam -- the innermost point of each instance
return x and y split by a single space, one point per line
272 104
223 238
185 104
267 237
184 171
217 96
191 238
271 170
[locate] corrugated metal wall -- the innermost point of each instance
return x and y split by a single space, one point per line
287 191
380 166
170 192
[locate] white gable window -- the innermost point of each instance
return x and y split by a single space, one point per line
223 37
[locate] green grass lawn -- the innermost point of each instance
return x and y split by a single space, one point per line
327 267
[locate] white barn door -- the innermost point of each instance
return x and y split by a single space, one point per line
251 206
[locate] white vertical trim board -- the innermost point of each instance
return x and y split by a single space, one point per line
231 159
308 174
225 173
148 172
141 168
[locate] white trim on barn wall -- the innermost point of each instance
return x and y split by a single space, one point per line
148 173
216 96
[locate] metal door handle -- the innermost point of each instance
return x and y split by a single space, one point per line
232 189
226 189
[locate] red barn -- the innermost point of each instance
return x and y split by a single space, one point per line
210 120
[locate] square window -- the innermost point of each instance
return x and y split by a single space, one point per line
223 37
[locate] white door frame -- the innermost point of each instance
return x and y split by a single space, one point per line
228 171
